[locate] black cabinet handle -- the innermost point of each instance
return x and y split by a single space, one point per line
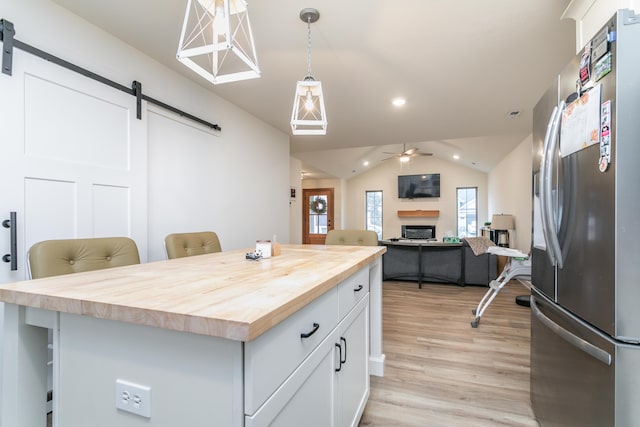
13 226
339 368
316 326
344 340
358 289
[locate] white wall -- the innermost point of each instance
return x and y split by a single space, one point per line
506 189
235 183
225 183
385 178
295 205
510 192
590 16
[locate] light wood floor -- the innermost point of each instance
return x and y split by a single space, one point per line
442 372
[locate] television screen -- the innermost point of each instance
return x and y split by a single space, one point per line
414 186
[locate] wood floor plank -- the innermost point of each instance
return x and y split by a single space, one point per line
442 372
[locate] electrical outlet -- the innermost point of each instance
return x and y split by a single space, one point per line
133 398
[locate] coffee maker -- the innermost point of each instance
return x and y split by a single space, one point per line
501 225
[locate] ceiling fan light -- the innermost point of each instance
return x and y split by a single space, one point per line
404 159
216 41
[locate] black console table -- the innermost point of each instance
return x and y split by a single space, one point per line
422 260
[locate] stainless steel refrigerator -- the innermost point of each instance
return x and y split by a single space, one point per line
585 304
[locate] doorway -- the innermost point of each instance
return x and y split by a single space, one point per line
317 215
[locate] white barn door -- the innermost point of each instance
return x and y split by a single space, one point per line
73 160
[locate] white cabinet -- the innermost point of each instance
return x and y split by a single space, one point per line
352 366
274 356
352 290
306 397
328 384
352 375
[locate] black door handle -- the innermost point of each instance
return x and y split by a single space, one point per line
316 326
13 226
339 368
344 340
358 289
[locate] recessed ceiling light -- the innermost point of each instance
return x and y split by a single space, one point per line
455 156
399 102
365 163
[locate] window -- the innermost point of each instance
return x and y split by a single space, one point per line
467 210
374 212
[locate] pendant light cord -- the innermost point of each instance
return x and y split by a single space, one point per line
309 76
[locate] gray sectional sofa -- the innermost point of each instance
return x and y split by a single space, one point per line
437 262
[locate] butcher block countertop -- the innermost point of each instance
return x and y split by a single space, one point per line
222 295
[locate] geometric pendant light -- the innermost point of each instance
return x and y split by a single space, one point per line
216 41
309 116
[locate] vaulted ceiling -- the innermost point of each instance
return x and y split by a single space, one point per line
464 67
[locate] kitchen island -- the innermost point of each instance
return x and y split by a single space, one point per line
205 340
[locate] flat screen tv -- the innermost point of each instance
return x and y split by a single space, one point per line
415 186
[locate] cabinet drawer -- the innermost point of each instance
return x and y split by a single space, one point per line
351 290
274 355
307 396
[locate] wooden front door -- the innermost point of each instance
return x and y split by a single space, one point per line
317 215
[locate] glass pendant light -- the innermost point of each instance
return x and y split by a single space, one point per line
309 116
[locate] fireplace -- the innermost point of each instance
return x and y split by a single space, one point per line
419 232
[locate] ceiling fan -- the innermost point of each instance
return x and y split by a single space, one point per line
406 154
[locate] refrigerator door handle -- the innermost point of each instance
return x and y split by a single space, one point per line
552 228
544 197
572 339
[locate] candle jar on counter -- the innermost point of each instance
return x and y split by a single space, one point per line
263 247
